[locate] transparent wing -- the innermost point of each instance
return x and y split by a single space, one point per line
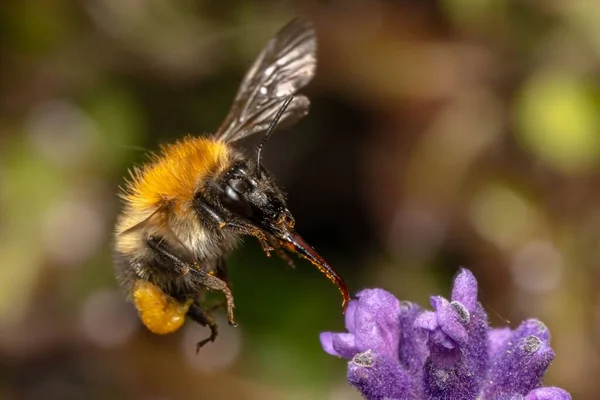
286 64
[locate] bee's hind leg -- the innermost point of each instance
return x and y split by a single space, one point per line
213 283
199 276
221 273
204 318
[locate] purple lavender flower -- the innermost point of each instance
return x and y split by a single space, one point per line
398 351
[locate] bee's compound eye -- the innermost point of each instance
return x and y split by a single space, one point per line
231 194
240 185
234 203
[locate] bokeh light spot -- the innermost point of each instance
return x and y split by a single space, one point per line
107 319
74 230
558 121
62 132
538 267
502 215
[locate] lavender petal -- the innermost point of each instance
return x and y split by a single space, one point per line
451 322
412 349
326 339
378 378
350 315
520 366
464 289
498 338
548 393
377 319
459 373
344 344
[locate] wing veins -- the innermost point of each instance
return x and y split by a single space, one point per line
286 64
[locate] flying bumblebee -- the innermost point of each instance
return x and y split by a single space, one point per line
189 206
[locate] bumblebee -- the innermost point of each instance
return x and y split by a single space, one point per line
191 203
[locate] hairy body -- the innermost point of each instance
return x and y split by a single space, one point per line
188 206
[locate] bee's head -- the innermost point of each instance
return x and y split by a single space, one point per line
244 197
247 192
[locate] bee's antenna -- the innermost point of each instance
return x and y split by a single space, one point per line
271 128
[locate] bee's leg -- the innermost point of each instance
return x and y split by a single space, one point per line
166 256
198 275
240 228
221 273
252 231
280 252
209 211
204 318
202 314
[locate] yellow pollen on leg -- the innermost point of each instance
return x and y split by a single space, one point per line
160 313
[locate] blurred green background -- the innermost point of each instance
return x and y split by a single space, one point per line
442 133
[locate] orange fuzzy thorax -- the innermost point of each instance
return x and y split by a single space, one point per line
174 174
160 313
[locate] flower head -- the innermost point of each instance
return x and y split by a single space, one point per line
398 351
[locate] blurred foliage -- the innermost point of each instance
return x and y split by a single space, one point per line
442 133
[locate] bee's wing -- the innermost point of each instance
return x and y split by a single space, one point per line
286 64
